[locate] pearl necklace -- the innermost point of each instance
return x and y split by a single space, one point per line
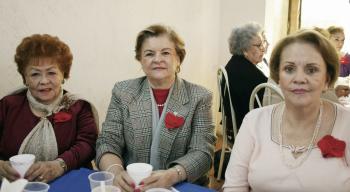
309 148
160 105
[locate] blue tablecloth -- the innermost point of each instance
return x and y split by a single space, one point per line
77 181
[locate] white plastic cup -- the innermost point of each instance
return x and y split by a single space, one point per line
36 187
139 171
97 179
22 162
108 188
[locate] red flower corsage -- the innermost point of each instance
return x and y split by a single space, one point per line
62 117
345 60
331 147
173 120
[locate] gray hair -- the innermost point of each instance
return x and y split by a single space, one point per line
241 37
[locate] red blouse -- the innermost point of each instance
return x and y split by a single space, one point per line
76 138
160 95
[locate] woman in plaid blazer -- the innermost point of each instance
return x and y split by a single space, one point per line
159 119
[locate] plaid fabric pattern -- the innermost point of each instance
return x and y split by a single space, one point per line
127 130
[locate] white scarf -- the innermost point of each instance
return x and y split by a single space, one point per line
41 141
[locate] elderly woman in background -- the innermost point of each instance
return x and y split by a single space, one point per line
341 85
293 145
247 46
159 119
337 37
263 66
43 119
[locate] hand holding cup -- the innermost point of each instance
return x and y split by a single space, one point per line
139 171
22 162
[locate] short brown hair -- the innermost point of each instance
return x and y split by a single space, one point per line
335 29
322 45
43 46
156 31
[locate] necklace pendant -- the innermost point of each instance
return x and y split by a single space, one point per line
297 149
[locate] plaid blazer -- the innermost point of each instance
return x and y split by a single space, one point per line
127 130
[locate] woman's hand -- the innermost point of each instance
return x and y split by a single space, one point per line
161 179
44 171
112 163
124 182
7 171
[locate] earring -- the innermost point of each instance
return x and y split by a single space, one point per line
178 69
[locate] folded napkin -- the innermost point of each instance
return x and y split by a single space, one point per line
16 186
342 81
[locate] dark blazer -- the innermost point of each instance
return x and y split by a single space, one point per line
243 77
127 130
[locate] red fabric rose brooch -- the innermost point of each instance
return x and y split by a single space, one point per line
331 147
345 60
173 120
62 117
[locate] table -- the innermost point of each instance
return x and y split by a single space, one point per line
77 181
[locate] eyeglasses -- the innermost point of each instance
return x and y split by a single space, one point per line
266 43
262 45
259 46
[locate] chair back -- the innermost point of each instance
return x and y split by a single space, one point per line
224 90
271 91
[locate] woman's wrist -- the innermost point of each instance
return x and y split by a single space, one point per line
62 164
115 168
61 168
2 165
178 171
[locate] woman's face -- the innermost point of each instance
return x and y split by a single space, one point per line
44 78
159 61
256 50
265 42
302 74
338 40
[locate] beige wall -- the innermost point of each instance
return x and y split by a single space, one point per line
101 34
276 18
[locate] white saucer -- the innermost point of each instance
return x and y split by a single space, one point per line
158 190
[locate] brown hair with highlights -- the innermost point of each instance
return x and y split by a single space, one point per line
156 31
322 45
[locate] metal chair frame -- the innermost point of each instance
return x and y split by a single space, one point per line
269 88
222 75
